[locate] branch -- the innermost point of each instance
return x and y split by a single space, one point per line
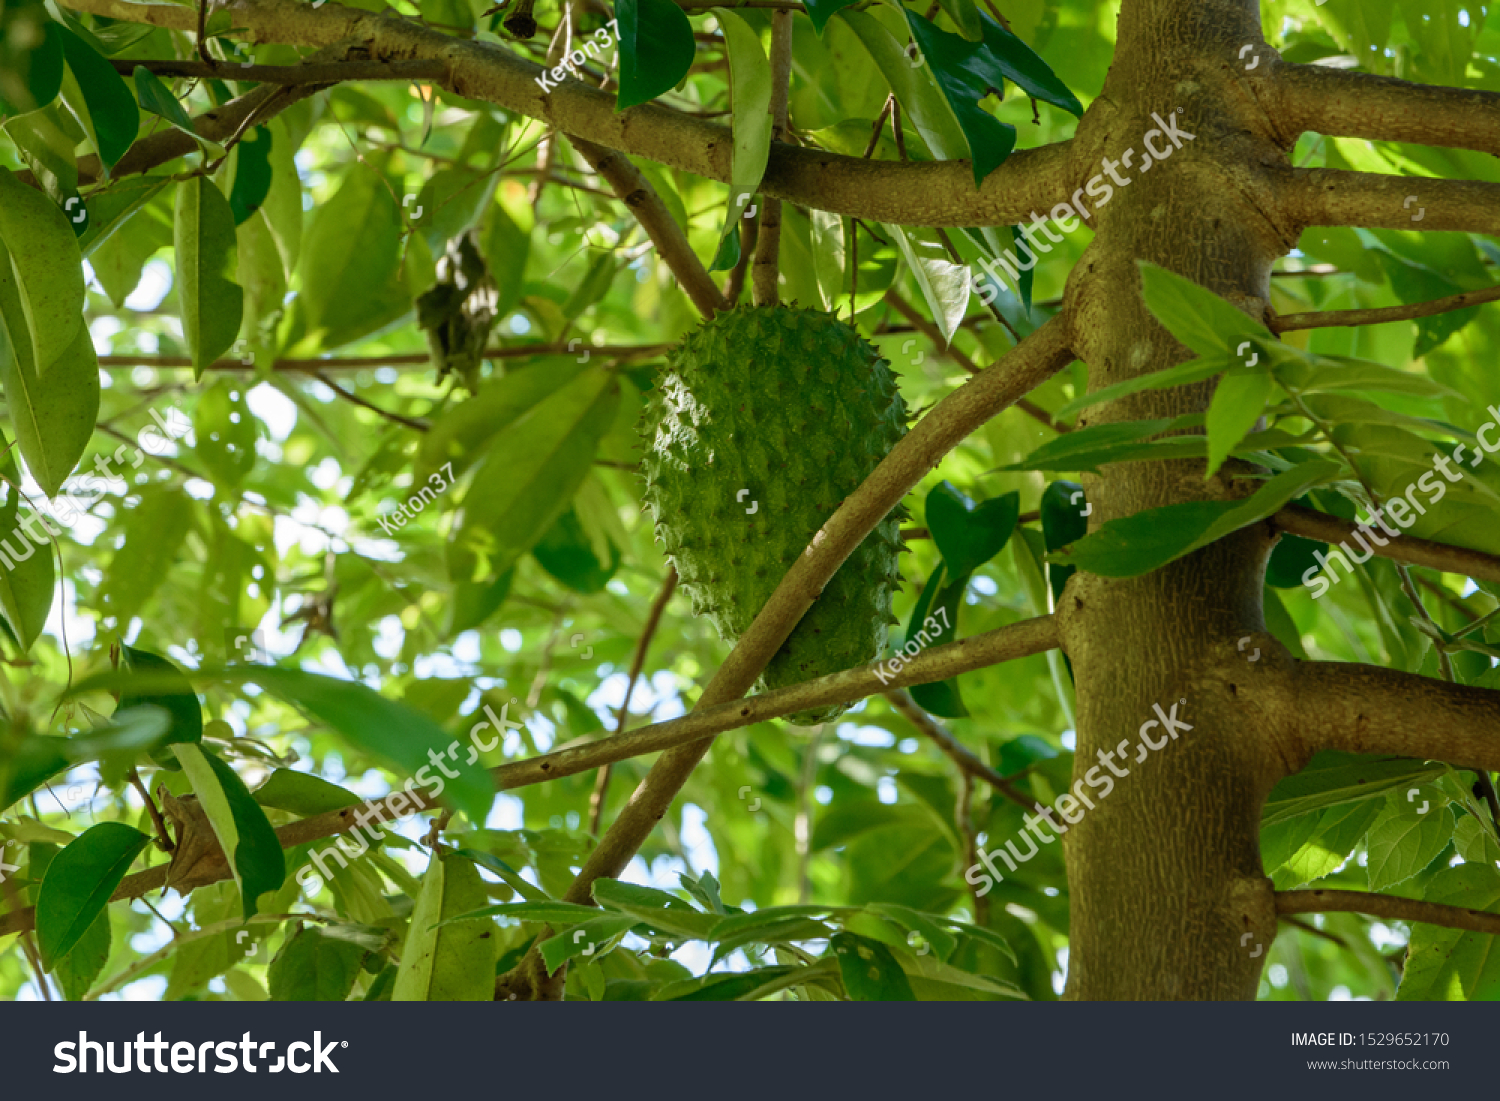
363 403
1408 312
400 359
1030 636
1368 709
637 663
930 331
1417 552
1390 907
954 749
1348 104
636 192
331 72
765 269
1026 366
936 193
1329 197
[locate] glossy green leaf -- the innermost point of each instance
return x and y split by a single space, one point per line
252 173
1451 964
656 49
567 553
111 209
968 534
1194 370
158 99
1149 540
967 72
350 292
31 58
99 98
78 884
27 575
1198 317
944 284
209 301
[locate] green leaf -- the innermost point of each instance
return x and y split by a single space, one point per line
938 605
750 103
1196 316
1325 374
1402 842
448 962
589 939
1194 370
78 884
1018 63
567 553
33 57
969 535
53 415
915 88
314 967
542 912
656 908
26 587
821 11
171 691
929 926
869 971
1088 448
47 149
154 532
99 99
209 301
348 293
157 98
1451 964
46 271
384 728
965 16
944 284
967 72
1332 779
656 49
303 794
1237 404
252 173
530 474
242 828
1138 544
77 970
111 209
225 429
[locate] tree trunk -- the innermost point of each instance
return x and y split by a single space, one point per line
1165 874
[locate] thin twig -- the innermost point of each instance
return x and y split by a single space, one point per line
637 663
1409 312
163 838
351 396
766 270
952 748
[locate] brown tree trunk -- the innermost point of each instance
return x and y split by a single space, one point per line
1165 874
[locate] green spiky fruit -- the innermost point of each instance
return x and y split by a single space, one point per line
767 418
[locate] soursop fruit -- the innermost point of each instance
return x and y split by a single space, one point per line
766 419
